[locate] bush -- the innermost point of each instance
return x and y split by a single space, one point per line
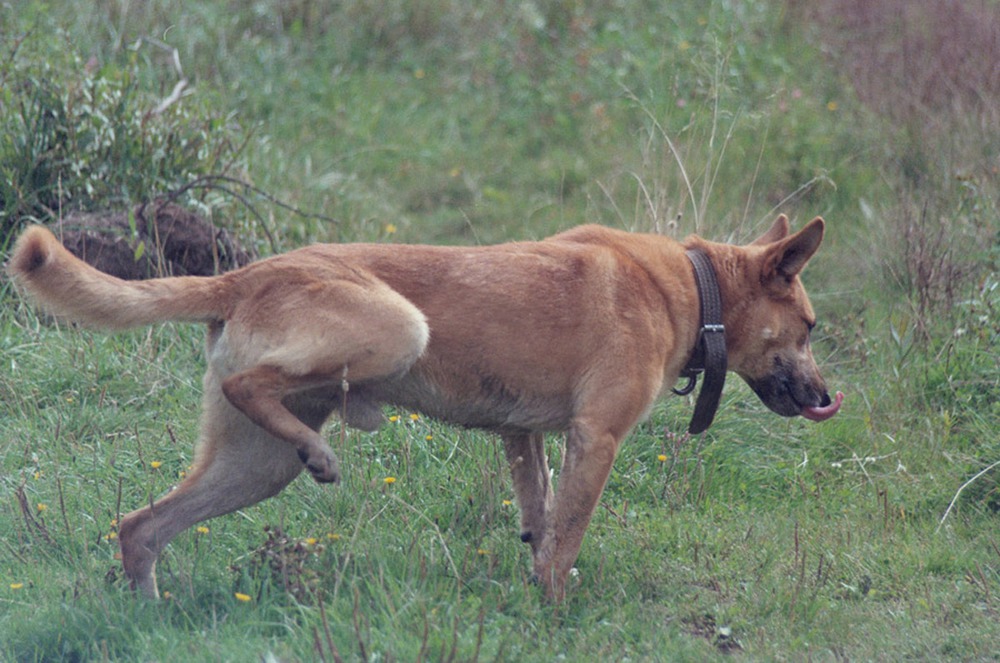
80 135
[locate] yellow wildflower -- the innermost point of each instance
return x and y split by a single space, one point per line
202 530
389 480
242 597
156 464
414 417
42 507
662 458
17 585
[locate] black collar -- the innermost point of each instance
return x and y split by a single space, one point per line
709 354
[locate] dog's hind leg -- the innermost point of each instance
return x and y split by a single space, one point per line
529 471
344 333
237 465
259 393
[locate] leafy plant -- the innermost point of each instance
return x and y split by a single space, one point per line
77 134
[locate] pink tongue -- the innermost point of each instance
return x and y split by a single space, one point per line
824 413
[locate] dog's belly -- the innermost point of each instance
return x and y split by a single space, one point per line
487 403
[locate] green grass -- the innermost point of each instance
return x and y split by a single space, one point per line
439 122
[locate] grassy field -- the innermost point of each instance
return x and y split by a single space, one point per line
873 536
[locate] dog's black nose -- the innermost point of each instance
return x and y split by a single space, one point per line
825 400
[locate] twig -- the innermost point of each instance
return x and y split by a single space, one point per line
673 150
437 530
357 625
33 524
207 181
170 99
218 181
959 492
803 188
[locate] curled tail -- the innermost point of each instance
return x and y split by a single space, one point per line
70 289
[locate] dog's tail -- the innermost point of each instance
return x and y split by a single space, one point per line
70 289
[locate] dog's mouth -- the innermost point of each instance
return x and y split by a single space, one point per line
782 397
824 412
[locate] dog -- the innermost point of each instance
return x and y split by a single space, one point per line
577 334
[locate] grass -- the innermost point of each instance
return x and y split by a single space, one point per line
433 121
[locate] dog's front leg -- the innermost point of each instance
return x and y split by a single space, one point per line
590 453
529 471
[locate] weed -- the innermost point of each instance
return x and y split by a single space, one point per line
79 135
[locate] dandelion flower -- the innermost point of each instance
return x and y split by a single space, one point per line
111 536
662 458
333 537
42 507
483 551
390 228
156 464
389 480
245 598
394 418
419 73
311 541
429 438
202 530
17 585
831 106
414 417
507 503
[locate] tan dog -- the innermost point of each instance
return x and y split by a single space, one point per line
578 333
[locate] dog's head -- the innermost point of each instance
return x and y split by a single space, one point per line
768 321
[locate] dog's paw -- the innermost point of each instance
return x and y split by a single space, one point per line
321 463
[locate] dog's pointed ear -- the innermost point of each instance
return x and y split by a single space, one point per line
778 231
787 257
